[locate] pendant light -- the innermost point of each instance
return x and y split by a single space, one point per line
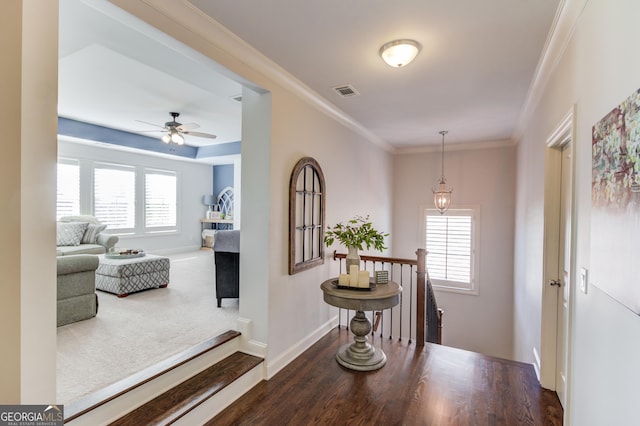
442 195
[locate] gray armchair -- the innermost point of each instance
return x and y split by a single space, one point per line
77 298
226 249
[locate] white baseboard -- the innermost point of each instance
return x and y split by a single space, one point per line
536 363
294 351
247 344
176 250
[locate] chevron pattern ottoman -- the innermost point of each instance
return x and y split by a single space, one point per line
124 276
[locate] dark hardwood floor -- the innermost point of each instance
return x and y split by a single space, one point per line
434 385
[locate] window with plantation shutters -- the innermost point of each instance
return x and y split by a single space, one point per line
68 189
114 192
160 206
129 199
450 243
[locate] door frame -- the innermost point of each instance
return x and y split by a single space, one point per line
563 133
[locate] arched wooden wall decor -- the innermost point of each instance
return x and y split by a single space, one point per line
306 216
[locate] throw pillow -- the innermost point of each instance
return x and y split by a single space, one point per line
91 234
70 233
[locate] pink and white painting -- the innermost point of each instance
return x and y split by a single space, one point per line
615 201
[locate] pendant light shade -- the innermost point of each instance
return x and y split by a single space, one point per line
442 197
442 194
399 53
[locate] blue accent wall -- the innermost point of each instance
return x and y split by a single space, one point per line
82 130
219 150
222 177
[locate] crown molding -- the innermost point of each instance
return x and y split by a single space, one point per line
455 147
560 34
226 48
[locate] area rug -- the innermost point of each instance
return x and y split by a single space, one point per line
135 332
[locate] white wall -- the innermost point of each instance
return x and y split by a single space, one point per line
358 181
598 70
480 177
195 180
10 164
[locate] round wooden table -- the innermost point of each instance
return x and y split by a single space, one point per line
360 355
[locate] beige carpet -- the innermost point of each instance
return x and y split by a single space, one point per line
137 331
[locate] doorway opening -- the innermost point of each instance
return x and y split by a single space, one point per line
559 265
116 57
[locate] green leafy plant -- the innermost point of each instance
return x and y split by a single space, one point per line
357 232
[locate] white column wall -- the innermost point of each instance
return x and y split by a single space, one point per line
38 145
28 283
10 88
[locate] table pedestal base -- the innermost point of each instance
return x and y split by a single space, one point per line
360 355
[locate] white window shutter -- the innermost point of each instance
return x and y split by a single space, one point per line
68 190
115 197
449 240
160 199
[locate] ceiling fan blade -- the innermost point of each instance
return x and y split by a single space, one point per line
188 126
150 124
200 135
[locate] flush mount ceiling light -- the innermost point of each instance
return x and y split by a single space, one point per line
399 53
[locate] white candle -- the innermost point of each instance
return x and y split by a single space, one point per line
363 279
353 276
343 279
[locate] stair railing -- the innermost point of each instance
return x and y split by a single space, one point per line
409 318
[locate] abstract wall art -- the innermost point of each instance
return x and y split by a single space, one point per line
615 203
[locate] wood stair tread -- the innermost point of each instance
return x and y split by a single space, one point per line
102 396
176 402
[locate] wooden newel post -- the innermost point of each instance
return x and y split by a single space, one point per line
421 284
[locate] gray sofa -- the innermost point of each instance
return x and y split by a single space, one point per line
82 235
76 297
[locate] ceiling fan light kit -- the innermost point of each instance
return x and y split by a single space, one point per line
174 132
177 138
399 53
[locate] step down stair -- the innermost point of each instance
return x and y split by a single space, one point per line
175 403
201 381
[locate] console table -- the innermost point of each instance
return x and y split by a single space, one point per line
360 355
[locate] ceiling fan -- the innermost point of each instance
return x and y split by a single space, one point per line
174 132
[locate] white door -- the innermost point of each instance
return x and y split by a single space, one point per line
564 275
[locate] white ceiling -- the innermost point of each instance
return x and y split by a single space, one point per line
472 76
114 71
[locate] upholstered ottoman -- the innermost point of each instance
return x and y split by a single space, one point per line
124 276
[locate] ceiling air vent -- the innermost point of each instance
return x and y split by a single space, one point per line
346 90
